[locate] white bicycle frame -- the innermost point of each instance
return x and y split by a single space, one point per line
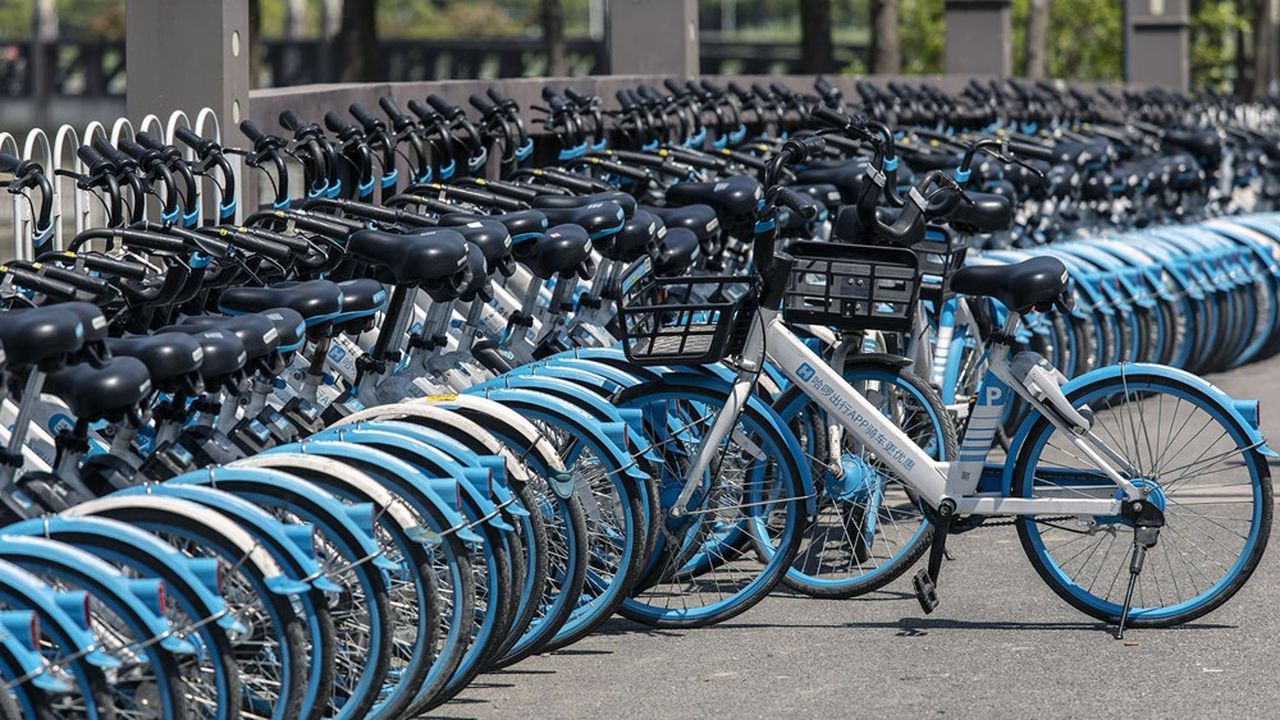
934 481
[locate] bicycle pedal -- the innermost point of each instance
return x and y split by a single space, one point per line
926 591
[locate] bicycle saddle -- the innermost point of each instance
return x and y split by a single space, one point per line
318 301
419 258
493 240
700 219
257 333
564 251
845 175
621 199
598 218
361 298
105 392
224 354
988 213
733 198
522 224
825 193
479 285
168 356
679 252
39 336
1038 283
94 351
642 235
290 325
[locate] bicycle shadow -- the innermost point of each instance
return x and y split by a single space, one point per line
920 626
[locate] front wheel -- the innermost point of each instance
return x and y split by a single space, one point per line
1196 461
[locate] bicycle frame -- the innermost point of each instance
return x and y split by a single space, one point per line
932 480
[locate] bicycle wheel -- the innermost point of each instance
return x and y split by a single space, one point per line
869 527
1193 459
755 487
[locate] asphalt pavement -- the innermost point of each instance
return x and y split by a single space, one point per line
1000 645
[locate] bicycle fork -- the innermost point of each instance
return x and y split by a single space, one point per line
720 429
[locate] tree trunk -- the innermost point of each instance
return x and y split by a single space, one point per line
1264 38
816 52
358 40
1037 38
552 18
885 56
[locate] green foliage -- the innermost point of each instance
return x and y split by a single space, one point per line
1214 30
922 34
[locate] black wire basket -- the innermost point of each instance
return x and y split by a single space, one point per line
852 287
690 320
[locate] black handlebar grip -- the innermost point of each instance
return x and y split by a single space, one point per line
40 283
761 91
737 89
801 204
392 109
151 241
359 113
149 141
422 111
132 149
800 150
497 95
442 106
189 138
673 86
1027 150
252 131
781 91
289 120
88 156
548 93
648 92
823 87
576 96
334 122
10 163
481 103
108 151
712 87
248 243
831 117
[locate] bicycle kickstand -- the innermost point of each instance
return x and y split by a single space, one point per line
1148 519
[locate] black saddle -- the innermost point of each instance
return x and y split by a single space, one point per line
256 332
642 235
318 301
846 176
493 240
679 252
1037 283
94 351
40 336
522 224
733 198
598 218
479 285
988 213
825 193
92 393
361 298
169 357
563 252
224 354
621 199
418 258
699 219
290 325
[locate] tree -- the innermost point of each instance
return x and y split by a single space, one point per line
551 16
1037 50
885 56
1264 50
816 52
358 40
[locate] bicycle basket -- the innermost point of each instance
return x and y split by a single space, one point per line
681 320
852 287
941 254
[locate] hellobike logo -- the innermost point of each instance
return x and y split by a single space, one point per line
805 372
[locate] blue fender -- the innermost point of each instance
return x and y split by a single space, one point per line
1244 412
20 588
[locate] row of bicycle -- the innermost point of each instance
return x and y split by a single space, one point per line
232 399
